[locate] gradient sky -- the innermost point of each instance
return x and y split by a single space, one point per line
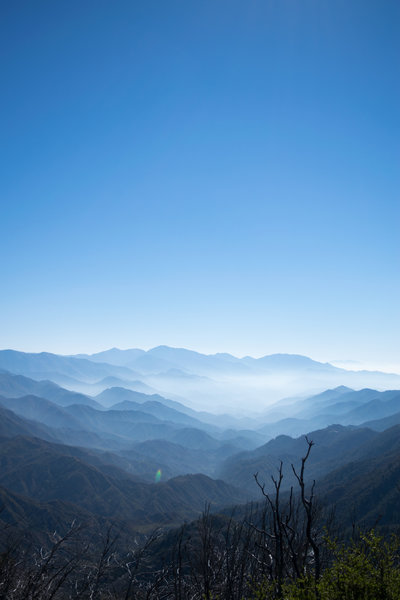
212 174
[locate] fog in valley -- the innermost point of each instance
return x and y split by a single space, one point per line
222 383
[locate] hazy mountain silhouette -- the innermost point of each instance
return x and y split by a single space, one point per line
340 405
164 358
385 423
46 365
42 410
114 356
221 380
12 425
116 395
202 381
159 410
14 386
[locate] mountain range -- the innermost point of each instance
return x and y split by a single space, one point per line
204 382
143 459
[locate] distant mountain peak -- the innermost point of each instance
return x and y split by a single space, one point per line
343 388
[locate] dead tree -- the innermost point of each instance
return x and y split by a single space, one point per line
309 508
287 543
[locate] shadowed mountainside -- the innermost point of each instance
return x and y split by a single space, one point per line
44 472
332 447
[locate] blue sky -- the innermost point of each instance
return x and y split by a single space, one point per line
218 175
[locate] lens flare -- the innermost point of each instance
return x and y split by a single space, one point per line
158 475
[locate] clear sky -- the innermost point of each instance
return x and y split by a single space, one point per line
213 174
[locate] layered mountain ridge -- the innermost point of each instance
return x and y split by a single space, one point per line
114 453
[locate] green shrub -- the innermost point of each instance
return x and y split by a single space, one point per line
368 569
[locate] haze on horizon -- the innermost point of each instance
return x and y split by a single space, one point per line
221 177
349 365
217 383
